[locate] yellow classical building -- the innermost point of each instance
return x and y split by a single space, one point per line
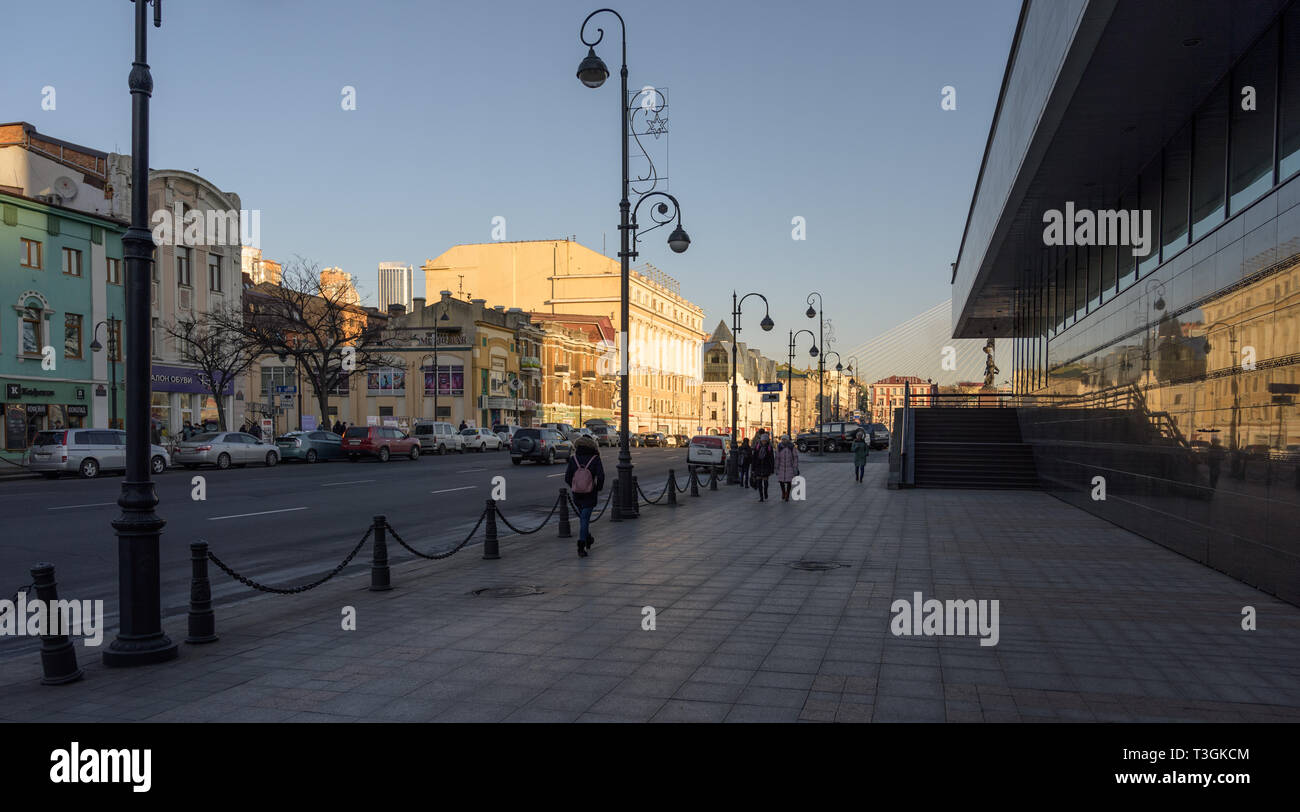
563 277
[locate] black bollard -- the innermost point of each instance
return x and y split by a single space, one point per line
713 479
379 575
672 488
58 655
565 531
616 509
695 481
633 511
203 621
491 551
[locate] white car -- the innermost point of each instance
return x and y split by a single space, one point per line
705 451
481 440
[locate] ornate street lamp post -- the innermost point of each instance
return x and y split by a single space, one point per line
140 639
111 325
733 476
821 362
789 376
592 72
436 378
839 368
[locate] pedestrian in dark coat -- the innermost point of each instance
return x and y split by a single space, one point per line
763 463
744 458
586 456
860 450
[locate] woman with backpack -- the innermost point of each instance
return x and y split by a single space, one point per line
859 456
787 466
585 477
762 464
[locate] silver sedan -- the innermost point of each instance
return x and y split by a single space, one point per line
224 449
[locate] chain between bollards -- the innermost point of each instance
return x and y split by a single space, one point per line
58 655
202 620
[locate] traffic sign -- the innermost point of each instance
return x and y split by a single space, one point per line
287 390
771 397
770 387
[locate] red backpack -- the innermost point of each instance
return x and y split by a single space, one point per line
583 481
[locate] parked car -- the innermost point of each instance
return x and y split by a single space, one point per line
706 451
506 433
833 437
541 445
604 435
437 437
481 440
309 446
563 428
633 439
86 452
879 435
583 432
380 442
654 439
224 449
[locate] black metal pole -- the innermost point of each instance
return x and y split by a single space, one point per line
789 385
140 639
732 474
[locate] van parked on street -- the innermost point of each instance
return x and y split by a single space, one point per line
86 452
437 437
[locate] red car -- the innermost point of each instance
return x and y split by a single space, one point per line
381 442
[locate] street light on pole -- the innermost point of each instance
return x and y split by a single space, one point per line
140 638
821 363
111 325
789 375
436 380
592 72
839 367
767 324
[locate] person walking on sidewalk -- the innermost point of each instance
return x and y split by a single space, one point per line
585 476
787 465
859 456
744 456
762 464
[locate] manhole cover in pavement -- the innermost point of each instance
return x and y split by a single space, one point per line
814 566
507 591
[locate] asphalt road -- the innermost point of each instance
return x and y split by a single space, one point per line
280 526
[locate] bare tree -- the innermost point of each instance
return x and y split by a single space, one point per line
321 326
221 354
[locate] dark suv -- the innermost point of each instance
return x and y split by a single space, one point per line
380 442
539 445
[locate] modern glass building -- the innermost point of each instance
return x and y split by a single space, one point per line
1134 246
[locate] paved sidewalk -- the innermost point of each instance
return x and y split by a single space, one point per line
1096 625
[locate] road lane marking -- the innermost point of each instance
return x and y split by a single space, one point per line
552 476
449 490
259 513
471 470
350 482
93 504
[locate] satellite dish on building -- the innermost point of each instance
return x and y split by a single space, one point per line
65 187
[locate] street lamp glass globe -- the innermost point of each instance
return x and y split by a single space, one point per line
678 241
767 324
1160 304
814 351
810 313
839 367
592 71
95 346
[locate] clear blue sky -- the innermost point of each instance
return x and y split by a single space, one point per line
467 111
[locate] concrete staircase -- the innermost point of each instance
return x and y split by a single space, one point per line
972 448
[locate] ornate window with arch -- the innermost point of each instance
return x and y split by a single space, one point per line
34 314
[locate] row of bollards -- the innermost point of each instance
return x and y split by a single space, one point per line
59 655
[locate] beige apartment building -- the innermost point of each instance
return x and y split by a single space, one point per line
563 277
